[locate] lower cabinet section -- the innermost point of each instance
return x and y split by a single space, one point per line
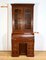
25 47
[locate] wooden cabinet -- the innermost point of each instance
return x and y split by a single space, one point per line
22 30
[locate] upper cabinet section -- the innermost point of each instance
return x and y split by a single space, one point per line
22 17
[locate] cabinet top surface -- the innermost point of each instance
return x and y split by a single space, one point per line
22 4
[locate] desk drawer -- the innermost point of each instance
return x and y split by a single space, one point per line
23 39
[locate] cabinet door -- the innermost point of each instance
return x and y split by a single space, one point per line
28 18
23 48
18 19
23 19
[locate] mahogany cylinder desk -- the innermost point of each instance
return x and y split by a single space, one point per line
22 30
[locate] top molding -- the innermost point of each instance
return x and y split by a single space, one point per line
22 4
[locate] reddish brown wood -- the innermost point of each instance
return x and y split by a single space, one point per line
22 37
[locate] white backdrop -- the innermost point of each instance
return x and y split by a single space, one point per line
3 28
39 24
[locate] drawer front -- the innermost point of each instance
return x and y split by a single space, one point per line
30 44
30 52
21 39
15 45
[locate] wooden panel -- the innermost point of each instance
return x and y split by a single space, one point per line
22 30
15 48
20 39
30 49
15 53
19 13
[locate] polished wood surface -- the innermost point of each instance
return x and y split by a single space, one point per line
21 17
22 30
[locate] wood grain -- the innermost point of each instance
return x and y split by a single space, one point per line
22 30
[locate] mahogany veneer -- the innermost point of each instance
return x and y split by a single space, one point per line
22 30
